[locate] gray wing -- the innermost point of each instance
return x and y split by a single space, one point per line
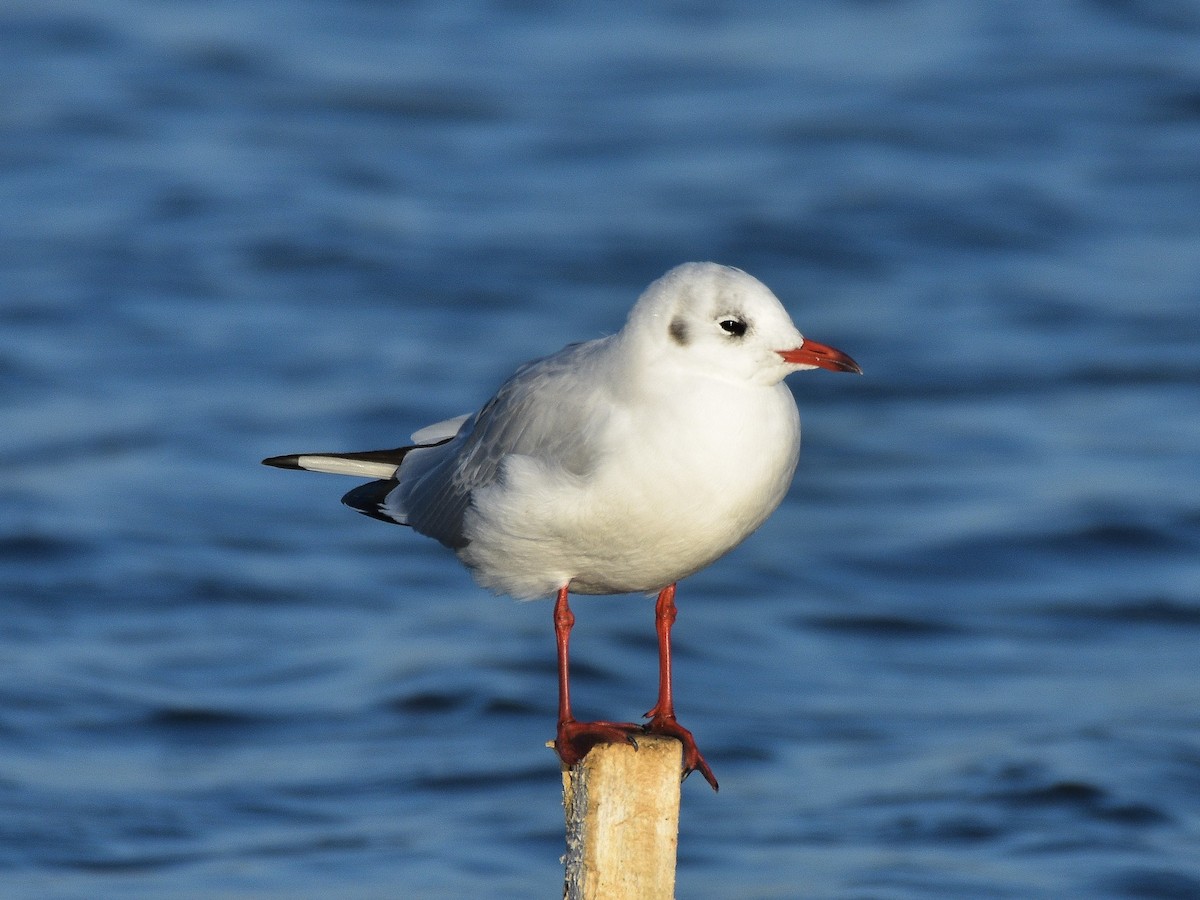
547 410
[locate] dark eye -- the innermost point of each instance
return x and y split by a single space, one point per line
736 327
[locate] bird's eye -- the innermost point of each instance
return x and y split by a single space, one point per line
736 327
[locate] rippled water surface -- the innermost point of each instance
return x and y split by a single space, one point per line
962 660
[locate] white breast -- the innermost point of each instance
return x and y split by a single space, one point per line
699 467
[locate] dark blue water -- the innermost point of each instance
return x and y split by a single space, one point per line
962 660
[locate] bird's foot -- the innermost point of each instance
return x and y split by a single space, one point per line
693 760
575 739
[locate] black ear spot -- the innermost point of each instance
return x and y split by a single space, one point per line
736 327
679 331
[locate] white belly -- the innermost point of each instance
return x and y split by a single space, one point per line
667 500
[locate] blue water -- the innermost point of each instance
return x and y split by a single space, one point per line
962 660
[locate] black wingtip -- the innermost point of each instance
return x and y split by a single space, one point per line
291 461
369 499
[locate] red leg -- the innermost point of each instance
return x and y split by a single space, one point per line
575 739
662 716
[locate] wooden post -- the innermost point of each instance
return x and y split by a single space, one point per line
622 809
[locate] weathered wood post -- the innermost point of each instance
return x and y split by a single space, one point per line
622 810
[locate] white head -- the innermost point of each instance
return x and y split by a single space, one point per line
724 323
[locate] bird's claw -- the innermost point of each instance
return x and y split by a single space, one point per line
575 739
693 759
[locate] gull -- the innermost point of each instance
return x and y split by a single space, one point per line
617 465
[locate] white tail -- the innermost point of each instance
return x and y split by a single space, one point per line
335 465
